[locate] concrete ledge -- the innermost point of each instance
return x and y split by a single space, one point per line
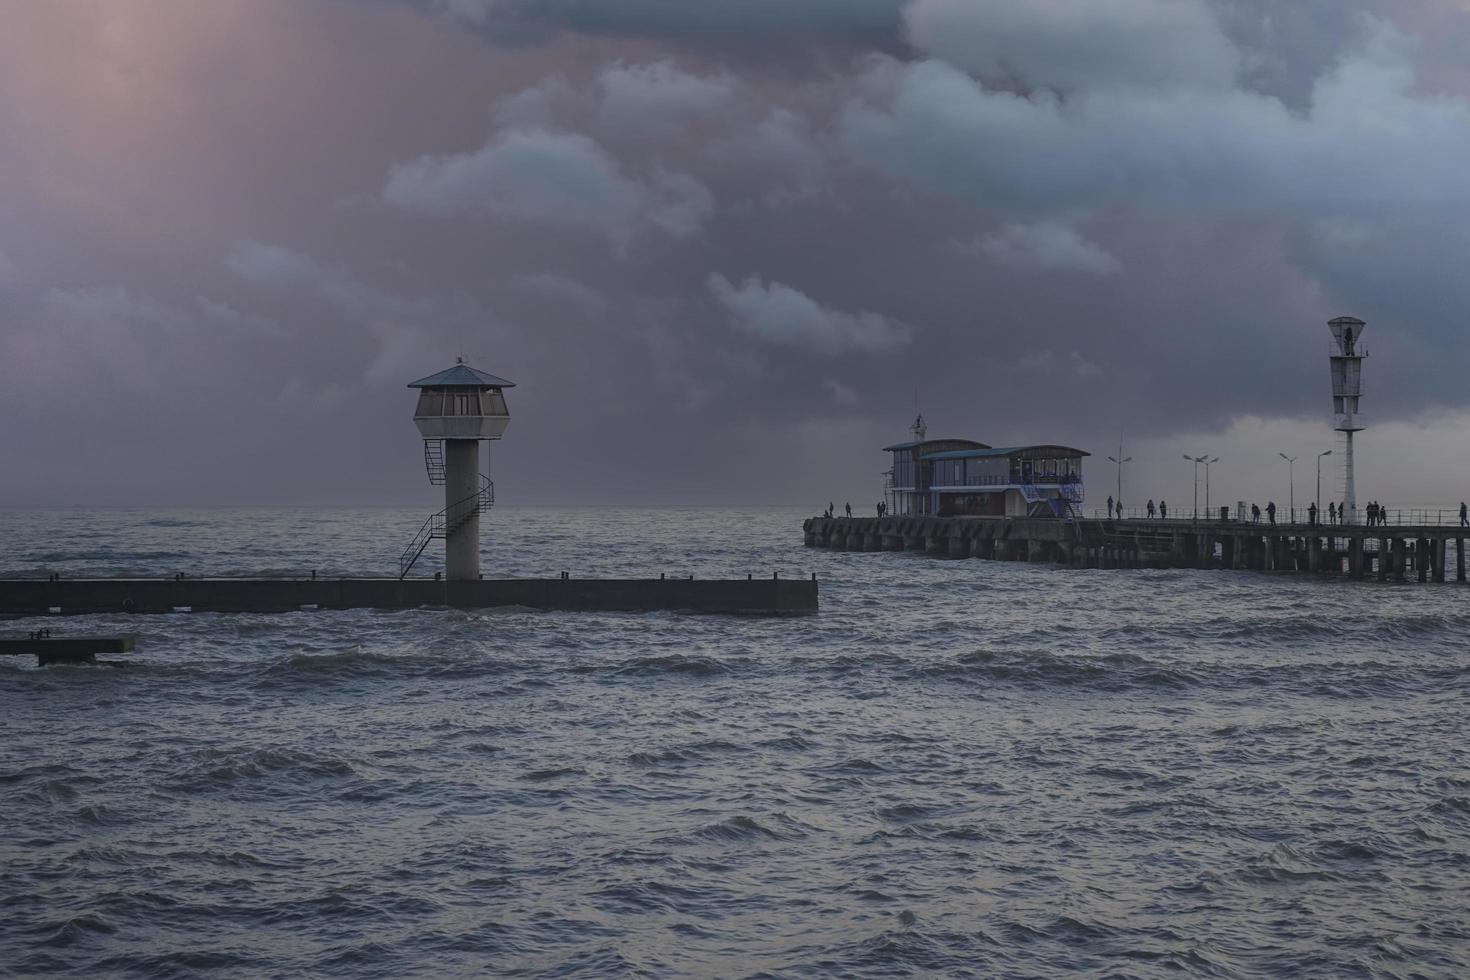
761 597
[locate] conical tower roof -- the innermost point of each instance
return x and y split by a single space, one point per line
462 376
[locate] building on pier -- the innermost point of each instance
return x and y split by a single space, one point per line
963 477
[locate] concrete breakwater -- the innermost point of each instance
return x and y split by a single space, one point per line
766 597
1386 552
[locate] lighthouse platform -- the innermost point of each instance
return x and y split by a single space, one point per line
751 596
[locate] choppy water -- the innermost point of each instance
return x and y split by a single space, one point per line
955 769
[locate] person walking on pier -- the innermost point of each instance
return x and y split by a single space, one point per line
849 509
1312 513
1255 513
1464 515
1331 512
1271 511
1110 507
1163 509
1151 510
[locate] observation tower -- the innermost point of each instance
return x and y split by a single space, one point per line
458 409
1347 355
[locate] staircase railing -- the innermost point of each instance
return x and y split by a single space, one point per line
440 526
434 461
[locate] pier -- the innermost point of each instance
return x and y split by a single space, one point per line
1396 553
49 650
63 597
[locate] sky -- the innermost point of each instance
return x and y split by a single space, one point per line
726 249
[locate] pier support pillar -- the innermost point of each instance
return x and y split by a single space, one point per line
1385 547
1459 559
1439 550
1314 554
1421 559
1400 547
1356 556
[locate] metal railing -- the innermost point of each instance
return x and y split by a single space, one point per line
1300 518
434 461
440 526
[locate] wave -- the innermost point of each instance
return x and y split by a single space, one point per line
674 663
206 770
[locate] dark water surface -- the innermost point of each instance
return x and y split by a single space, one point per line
955 769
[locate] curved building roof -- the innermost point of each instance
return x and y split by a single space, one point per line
1012 451
930 442
462 376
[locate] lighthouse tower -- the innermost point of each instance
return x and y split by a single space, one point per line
458 409
1347 355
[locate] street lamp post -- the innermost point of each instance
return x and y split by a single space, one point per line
1208 464
1319 480
1196 460
1291 474
1120 459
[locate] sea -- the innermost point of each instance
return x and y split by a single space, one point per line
957 768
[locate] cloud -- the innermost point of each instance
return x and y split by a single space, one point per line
1046 362
842 395
1046 245
271 265
550 177
225 313
115 305
280 267
780 154
1368 147
712 21
534 106
658 98
569 290
402 326
1078 44
781 315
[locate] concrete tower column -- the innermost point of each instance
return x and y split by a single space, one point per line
462 511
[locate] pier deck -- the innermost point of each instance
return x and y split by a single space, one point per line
1388 552
764 597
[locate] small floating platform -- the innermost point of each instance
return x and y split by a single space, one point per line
66 650
64 597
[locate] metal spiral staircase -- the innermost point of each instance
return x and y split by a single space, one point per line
439 526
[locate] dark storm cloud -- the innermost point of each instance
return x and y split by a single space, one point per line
721 245
713 21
